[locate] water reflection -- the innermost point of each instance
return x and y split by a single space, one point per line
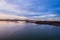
8 28
22 30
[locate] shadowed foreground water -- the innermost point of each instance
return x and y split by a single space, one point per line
28 31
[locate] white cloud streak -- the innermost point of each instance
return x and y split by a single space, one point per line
44 16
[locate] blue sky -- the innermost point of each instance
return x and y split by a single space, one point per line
31 8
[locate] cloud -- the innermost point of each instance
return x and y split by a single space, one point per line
29 8
45 16
8 7
4 5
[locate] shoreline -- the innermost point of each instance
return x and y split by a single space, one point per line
56 23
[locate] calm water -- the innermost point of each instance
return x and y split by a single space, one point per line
28 31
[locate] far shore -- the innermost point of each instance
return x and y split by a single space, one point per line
57 23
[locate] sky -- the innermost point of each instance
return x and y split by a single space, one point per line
35 9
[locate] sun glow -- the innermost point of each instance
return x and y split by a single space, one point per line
8 16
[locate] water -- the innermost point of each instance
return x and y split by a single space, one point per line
28 31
